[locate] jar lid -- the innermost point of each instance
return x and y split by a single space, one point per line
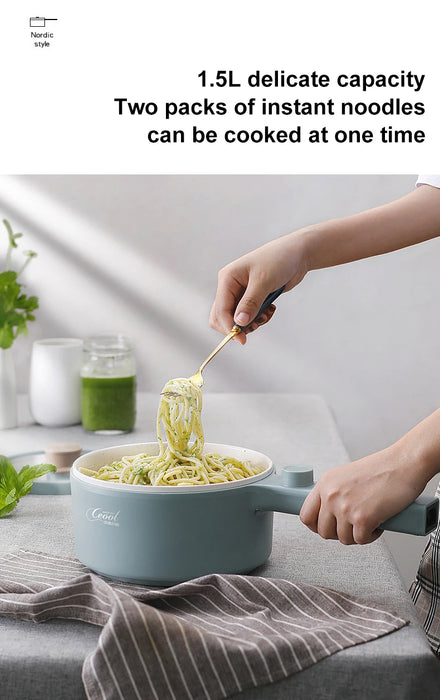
62 454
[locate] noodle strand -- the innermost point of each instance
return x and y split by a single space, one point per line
180 461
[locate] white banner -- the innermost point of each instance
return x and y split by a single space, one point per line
219 87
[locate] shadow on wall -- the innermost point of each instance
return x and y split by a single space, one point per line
88 274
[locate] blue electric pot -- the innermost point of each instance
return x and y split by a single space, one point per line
161 535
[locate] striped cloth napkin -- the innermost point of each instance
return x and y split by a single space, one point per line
210 637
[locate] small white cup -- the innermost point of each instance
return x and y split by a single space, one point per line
55 382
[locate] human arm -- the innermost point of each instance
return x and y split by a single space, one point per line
244 284
350 501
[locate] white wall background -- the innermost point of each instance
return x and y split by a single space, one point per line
140 255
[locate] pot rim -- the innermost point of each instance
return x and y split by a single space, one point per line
106 454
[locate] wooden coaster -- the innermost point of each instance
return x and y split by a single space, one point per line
62 454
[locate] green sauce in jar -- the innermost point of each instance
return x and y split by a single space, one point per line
108 379
108 403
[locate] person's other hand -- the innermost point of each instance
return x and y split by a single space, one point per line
244 284
350 502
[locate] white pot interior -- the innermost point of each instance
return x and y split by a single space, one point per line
98 458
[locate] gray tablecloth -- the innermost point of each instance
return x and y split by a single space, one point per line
44 661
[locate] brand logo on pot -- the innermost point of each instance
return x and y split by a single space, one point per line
107 517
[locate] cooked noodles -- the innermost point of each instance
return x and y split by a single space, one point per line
181 461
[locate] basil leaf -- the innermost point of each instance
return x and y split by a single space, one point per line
8 476
8 486
11 497
7 509
13 486
27 475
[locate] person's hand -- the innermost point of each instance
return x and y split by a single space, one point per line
349 502
244 284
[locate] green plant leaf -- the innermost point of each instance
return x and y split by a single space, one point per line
15 306
27 474
6 336
7 509
27 303
14 486
14 318
9 486
7 277
9 294
18 322
8 475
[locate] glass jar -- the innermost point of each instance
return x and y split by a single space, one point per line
108 385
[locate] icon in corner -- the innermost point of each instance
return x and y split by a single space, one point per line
40 21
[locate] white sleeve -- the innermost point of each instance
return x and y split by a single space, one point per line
433 180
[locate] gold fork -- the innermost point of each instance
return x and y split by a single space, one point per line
197 378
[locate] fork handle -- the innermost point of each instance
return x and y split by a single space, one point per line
267 302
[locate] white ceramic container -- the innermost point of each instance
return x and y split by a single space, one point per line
54 382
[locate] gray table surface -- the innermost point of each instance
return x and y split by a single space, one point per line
44 661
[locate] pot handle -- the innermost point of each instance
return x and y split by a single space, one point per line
287 493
